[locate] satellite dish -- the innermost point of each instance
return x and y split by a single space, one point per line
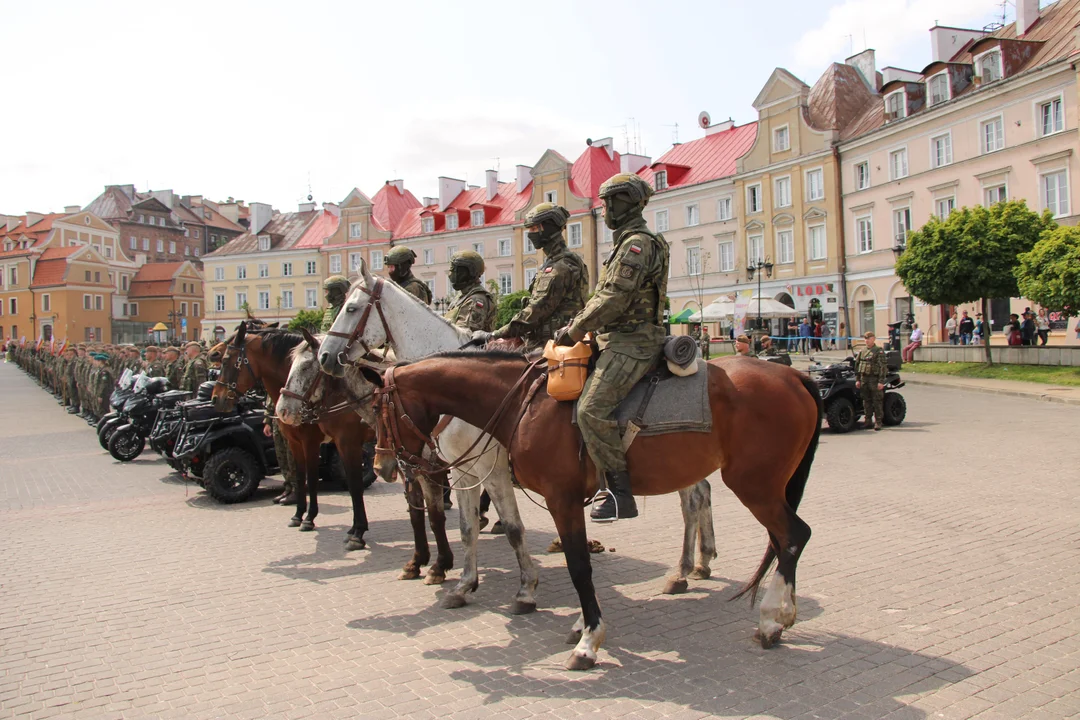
309 197
703 119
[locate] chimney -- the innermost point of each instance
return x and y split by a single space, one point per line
12 221
261 214
866 63
429 201
399 184
332 208
449 188
524 177
128 190
230 210
632 163
945 42
719 127
491 181
307 207
1027 13
607 144
72 209
167 197
33 218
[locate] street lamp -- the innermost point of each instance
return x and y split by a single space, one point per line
900 246
756 266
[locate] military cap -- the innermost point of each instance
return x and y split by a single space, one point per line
173 349
547 212
336 281
191 343
153 348
398 255
470 259
633 185
742 339
101 357
867 335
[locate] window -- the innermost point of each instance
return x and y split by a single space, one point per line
376 260
219 302
574 235
938 87
197 251
355 229
99 302
864 233
354 261
1051 118
310 269
815 185
146 244
898 164
187 232
172 247
753 199
187 251
335 264
264 270
13 276
97 277
241 272
755 248
504 247
727 255
693 261
993 135
723 209
693 215
451 220
183 309
311 298
1054 189
134 308
13 309
995 194
429 256
213 240
87 275
108 252
46 302
286 299
526 244
506 284
427 224
478 248
660 180
530 275
124 282
450 250
781 141
816 241
661 221
264 242
941 150
901 224
944 206
241 300
133 243
552 196
194 309
783 192
196 237
785 247
286 269
264 299
160 245
894 106
477 218
430 286
989 67
142 218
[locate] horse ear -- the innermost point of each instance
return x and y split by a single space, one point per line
312 342
241 332
372 375
369 280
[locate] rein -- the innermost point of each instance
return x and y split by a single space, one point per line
241 361
352 338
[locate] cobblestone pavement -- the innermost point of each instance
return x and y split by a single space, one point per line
937 584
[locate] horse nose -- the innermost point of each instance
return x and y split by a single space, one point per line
324 358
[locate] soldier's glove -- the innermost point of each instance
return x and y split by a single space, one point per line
481 337
565 337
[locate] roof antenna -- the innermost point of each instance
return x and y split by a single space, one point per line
497 167
674 134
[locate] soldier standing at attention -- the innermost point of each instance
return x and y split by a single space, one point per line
870 369
399 262
704 343
627 314
335 289
196 371
475 307
154 366
174 367
560 287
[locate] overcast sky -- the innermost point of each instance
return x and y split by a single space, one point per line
258 99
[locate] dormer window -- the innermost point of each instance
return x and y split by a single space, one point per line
938 87
781 139
451 221
427 224
477 218
894 106
264 242
661 180
988 66
8 245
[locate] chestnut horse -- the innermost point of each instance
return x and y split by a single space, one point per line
751 401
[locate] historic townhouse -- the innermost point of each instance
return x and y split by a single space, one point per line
21 241
366 228
272 269
203 218
71 295
169 293
147 224
992 117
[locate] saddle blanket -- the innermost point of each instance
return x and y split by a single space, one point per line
677 404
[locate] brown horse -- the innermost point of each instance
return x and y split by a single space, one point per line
751 401
265 357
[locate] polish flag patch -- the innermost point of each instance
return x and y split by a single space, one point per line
479 304
547 270
636 249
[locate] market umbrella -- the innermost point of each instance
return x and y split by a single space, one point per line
717 311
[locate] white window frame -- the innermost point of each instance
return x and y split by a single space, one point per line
241 272
335 264
530 275
901 112
812 252
693 261
219 302
196 233
133 242
264 242
427 224
172 247
723 209
311 298
943 75
864 234
936 161
776 135
942 203
660 180
551 196
779 197
997 121
287 299
693 215
506 246
429 256
785 246
46 302
356 230
451 221
219 274
450 250
263 295
354 261
286 269
902 151
901 223
311 267
1058 98
241 300
978 64
751 208
376 259
996 189
755 241
160 245
819 172
506 282
725 249
660 220
1044 203
478 248
146 244
476 218
264 270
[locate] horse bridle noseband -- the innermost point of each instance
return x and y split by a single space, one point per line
310 414
241 361
375 294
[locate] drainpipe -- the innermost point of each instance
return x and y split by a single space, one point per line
843 242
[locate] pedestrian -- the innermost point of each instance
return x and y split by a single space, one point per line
870 368
966 328
805 333
842 335
952 327
816 342
742 346
908 353
980 329
1012 330
1027 329
792 340
828 341
1042 326
705 343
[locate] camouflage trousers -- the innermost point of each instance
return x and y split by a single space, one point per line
284 458
872 401
608 385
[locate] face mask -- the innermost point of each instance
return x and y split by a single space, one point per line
399 272
538 240
335 297
460 278
617 211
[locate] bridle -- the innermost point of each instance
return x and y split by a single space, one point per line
375 293
310 413
241 362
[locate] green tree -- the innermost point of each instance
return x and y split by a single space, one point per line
971 255
509 305
1050 273
311 319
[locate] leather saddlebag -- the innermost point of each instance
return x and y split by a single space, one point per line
568 367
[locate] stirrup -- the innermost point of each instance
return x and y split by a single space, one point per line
601 496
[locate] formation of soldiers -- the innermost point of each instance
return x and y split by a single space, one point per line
82 376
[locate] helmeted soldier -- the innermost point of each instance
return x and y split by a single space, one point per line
174 366
626 314
560 287
335 290
475 307
400 261
871 367
196 371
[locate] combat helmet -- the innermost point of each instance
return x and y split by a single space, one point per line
632 185
557 215
400 255
469 259
336 282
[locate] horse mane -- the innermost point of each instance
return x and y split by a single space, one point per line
481 355
280 342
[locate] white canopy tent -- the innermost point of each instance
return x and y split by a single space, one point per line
723 310
719 310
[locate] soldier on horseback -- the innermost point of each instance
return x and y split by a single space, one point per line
626 314
335 289
400 261
475 307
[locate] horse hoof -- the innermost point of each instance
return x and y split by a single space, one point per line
520 607
675 586
701 573
307 526
410 573
294 522
579 662
574 637
452 601
770 638
355 544
435 578
349 538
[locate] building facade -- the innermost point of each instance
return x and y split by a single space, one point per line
21 240
71 295
169 293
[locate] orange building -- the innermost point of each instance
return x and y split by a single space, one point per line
71 296
170 293
21 240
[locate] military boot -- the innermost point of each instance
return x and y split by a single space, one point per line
618 501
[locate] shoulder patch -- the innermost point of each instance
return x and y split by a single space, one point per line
548 269
636 249
479 303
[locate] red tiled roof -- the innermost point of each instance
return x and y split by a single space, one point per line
508 201
49 272
155 288
55 253
157 271
36 231
590 170
390 205
321 228
707 158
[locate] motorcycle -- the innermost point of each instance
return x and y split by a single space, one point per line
121 393
128 440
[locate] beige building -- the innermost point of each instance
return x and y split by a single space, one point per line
168 293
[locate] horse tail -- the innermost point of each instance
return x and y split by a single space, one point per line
793 492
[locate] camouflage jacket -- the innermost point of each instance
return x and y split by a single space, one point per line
557 294
871 364
415 286
474 310
194 374
328 317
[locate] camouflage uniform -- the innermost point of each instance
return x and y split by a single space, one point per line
195 374
558 291
174 371
281 448
401 259
870 369
335 288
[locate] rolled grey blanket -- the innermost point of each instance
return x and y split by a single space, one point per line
681 350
